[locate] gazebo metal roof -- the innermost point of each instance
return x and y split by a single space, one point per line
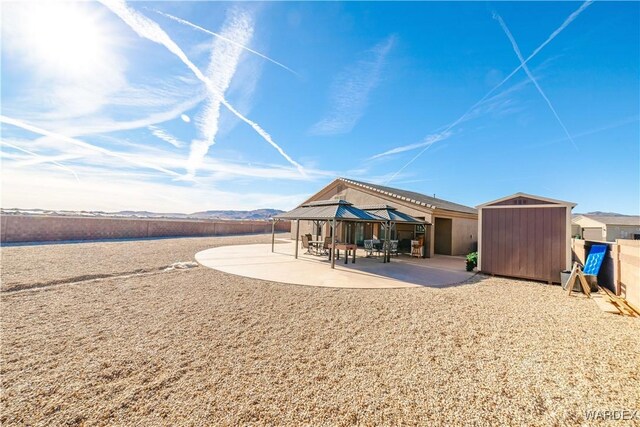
390 213
326 210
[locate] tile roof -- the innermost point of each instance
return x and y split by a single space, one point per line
412 197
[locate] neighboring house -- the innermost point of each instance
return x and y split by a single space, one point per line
608 228
450 228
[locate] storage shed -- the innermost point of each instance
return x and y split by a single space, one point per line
525 236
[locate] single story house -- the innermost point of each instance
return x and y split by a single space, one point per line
449 228
607 228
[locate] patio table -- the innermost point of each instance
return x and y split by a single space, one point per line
346 247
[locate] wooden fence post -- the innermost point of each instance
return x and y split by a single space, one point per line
615 253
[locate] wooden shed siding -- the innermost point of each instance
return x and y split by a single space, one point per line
527 242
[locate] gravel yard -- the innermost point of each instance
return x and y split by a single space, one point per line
198 346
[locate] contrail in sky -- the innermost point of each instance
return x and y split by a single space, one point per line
553 35
220 36
163 135
150 29
533 80
44 158
79 143
224 59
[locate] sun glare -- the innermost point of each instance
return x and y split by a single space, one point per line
65 38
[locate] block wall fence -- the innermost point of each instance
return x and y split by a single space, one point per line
37 228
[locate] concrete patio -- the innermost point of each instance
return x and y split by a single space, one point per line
258 262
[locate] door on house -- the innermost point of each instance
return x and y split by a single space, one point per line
360 234
442 236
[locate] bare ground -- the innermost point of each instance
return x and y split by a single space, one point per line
198 346
30 266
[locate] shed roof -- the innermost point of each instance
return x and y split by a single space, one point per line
411 196
330 209
545 200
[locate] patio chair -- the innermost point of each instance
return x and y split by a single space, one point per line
305 243
368 247
377 246
393 250
416 248
311 247
326 245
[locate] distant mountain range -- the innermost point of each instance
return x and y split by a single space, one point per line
256 214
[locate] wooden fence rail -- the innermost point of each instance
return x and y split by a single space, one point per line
620 270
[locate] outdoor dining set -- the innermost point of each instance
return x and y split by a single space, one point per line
323 247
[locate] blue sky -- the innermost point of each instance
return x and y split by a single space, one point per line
182 107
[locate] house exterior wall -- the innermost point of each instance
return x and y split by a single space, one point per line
576 230
586 222
593 233
614 232
465 236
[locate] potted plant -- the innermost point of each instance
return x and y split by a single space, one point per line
472 261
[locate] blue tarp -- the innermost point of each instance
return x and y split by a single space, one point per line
594 260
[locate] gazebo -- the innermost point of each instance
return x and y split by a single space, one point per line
392 216
331 211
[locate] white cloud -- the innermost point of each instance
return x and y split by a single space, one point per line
98 124
222 67
51 189
86 146
429 140
351 89
38 158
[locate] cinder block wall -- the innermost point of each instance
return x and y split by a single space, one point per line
35 228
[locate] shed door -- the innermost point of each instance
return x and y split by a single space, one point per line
524 242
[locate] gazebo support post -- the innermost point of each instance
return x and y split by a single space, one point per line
333 243
424 242
297 235
388 251
384 246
